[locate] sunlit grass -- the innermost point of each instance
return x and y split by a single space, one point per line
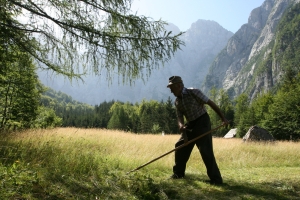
71 163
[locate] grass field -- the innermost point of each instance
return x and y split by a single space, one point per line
71 163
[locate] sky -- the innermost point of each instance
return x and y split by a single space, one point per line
230 14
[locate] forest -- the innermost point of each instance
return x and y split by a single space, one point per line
25 103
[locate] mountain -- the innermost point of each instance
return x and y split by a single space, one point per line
248 63
203 41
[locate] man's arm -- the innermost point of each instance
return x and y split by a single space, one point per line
182 128
217 110
181 125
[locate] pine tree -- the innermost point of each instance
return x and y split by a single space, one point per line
171 117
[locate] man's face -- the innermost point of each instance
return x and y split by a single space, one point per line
176 89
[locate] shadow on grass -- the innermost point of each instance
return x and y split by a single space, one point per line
196 187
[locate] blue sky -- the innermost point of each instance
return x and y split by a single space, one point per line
230 14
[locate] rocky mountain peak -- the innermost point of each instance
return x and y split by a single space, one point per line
232 69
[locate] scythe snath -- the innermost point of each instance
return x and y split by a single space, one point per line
183 145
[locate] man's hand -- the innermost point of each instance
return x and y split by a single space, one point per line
186 140
225 122
182 128
184 135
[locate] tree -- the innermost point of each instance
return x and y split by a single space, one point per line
260 106
146 119
133 119
171 117
226 104
241 114
283 118
222 99
214 118
101 35
287 46
226 108
119 119
102 112
150 115
19 90
46 118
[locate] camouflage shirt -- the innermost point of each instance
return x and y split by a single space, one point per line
191 105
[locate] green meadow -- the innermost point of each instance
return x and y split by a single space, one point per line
72 163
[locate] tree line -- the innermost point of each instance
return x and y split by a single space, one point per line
144 117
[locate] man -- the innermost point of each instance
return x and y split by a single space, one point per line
190 104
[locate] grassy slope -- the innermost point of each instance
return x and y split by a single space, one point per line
69 163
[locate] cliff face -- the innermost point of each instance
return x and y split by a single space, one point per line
236 68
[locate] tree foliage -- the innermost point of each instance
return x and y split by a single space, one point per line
241 114
119 118
144 117
102 36
283 118
19 90
221 98
278 112
73 113
46 118
287 48
214 118
170 117
260 107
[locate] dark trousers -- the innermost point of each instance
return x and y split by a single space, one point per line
199 126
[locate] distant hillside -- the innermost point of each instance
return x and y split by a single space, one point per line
57 97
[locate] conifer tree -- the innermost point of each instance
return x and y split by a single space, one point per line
171 117
241 114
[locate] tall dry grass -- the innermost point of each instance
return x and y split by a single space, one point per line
132 150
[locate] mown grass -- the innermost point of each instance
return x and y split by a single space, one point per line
70 163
